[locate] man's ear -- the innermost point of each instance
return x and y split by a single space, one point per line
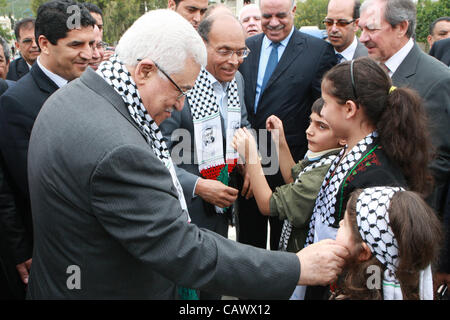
402 28
365 253
355 26
342 142
44 44
171 5
144 70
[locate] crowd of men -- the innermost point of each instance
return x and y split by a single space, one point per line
256 65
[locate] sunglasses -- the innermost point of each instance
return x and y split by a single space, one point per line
339 22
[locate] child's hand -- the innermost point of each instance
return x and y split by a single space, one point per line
275 126
245 144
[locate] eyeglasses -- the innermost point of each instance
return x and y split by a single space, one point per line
228 53
102 45
339 22
182 93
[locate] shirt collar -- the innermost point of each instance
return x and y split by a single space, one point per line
349 52
58 80
284 42
216 83
394 62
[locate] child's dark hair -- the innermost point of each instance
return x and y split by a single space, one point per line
419 234
398 115
317 106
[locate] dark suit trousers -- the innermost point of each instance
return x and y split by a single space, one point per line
251 226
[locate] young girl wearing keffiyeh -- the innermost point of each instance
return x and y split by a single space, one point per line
387 142
393 237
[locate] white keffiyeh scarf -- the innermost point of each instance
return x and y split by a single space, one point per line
372 216
115 73
287 225
212 163
325 209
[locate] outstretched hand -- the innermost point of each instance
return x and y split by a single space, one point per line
244 143
275 126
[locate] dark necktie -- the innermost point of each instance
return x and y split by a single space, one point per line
271 65
339 57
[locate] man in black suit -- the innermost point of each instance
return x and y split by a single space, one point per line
298 62
27 46
441 51
65 55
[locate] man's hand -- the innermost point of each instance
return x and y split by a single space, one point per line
24 270
216 193
321 262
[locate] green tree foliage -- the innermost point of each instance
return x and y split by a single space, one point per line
118 15
310 13
427 12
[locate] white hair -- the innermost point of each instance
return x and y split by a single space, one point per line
246 7
163 36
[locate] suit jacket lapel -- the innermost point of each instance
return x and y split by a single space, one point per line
407 68
253 62
91 79
41 79
294 48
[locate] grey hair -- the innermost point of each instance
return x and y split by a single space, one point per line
6 51
397 11
293 3
164 37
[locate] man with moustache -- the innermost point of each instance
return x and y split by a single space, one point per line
342 23
192 10
439 29
388 27
26 44
206 182
282 76
65 54
250 17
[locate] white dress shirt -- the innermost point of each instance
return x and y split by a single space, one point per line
266 49
396 60
349 52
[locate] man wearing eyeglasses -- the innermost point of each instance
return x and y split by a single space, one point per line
26 44
218 95
282 76
342 23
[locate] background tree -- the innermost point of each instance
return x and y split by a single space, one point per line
310 13
427 12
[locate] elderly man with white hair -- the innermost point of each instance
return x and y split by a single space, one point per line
109 213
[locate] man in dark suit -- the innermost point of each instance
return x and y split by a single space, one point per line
298 62
109 212
441 51
342 23
27 46
387 31
65 55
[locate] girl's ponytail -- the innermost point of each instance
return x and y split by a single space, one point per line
403 131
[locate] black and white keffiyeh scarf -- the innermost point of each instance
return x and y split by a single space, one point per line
325 209
212 164
372 216
208 129
115 73
287 225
